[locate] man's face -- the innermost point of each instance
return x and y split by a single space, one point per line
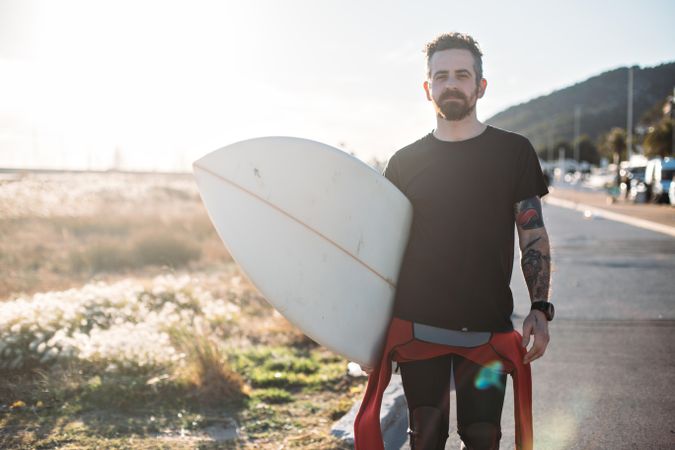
452 87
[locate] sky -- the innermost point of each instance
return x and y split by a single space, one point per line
154 85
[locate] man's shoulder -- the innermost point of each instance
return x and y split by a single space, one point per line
410 149
509 136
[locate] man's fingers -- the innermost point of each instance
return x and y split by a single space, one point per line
527 331
538 349
534 353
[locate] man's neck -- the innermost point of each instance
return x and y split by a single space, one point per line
458 130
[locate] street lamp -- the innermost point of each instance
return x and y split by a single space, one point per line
577 125
629 118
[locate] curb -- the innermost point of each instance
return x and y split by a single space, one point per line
393 417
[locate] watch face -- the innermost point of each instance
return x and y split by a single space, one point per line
545 307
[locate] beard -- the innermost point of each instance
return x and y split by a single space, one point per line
454 105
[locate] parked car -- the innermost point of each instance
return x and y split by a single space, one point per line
635 184
658 177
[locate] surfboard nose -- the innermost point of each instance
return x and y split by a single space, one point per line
203 162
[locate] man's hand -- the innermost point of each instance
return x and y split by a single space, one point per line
535 323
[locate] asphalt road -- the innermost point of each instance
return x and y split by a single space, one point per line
607 380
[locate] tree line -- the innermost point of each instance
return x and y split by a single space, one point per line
653 138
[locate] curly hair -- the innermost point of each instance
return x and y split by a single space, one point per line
453 40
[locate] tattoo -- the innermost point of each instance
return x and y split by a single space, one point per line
531 243
537 271
528 214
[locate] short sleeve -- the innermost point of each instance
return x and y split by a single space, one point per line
530 179
391 172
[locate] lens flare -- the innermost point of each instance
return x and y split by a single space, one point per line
489 376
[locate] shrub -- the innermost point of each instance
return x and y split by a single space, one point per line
206 367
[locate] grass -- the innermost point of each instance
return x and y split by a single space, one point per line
69 404
152 249
272 395
279 386
164 250
40 254
289 368
79 406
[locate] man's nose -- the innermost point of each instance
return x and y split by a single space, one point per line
449 85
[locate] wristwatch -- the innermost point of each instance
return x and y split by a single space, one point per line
545 307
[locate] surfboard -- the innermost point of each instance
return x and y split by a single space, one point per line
318 232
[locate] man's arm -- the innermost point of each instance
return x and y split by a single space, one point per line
535 261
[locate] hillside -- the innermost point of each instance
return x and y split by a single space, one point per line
603 100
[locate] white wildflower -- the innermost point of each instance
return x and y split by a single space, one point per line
120 325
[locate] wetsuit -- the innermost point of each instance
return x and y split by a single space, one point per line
404 344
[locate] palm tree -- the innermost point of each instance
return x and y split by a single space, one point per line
614 144
659 139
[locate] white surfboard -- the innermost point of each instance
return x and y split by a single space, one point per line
317 231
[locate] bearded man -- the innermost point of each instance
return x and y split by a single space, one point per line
469 184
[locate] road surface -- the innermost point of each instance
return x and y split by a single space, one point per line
607 380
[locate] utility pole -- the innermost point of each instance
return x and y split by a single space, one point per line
629 119
550 145
577 124
672 123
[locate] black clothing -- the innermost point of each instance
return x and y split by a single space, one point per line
457 266
427 383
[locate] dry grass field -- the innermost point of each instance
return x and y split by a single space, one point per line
124 323
61 230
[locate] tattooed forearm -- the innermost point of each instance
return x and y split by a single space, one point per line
536 264
528 214
534 241
534 245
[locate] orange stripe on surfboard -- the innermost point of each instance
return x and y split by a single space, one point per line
287 214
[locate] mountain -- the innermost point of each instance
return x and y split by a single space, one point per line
603 100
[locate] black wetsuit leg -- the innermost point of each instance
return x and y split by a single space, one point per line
480 396
427 383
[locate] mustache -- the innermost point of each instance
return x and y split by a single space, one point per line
453 94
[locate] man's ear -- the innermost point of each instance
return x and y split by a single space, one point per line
481 87
426 89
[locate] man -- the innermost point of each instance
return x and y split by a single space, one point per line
468 183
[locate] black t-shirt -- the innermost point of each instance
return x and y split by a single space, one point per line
457 266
